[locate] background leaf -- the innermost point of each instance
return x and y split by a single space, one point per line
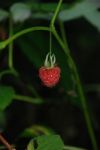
20 12
6 96
3 14
78 10
93 18
83 9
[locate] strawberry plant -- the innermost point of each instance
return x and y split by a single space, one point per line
31 84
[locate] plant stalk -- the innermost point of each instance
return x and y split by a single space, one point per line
3 44
79 88
28 99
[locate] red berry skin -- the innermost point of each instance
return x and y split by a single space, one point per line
49 76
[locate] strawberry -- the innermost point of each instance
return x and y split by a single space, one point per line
49 76
49 73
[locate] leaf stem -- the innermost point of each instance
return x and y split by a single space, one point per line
3 44
56 13
10 55
8 71
28 99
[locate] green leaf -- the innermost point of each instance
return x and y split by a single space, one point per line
84 9
3 14
6 96
50 142
30 146
53 142
20 12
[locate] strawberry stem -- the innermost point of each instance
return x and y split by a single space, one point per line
50 41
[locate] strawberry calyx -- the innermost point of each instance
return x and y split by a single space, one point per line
50 61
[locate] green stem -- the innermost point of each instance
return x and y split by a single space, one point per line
56 13
79 87
8 71
10 55
50 42
28 99
72 65
3 44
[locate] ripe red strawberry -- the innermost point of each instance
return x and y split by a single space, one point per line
49 76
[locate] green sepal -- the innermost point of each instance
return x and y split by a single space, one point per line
50 60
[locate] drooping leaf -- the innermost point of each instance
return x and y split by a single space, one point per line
20 12
84 9
78 10
6 96
3 14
